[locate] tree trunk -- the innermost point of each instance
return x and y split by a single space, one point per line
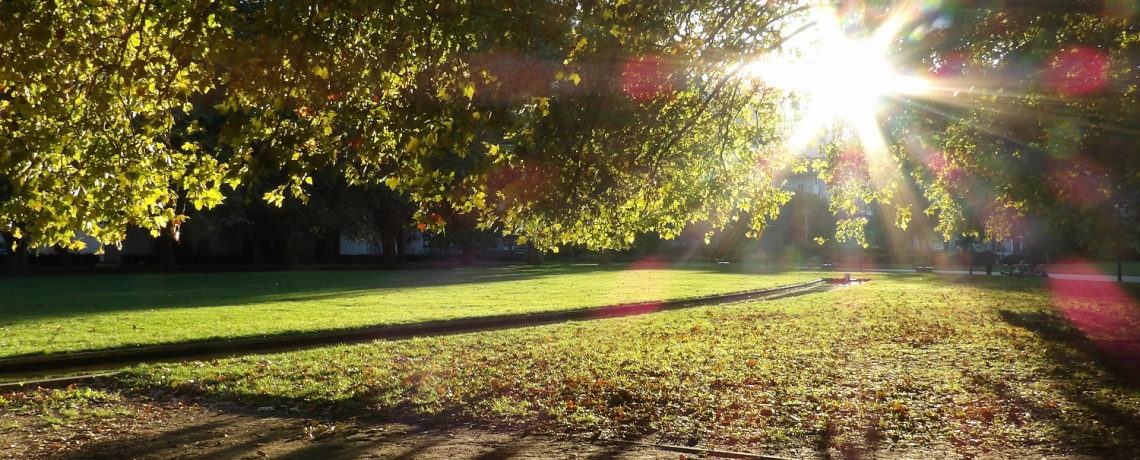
256 250
331 247
17 254
402 246
603 257
63 254
388 245
166 249
533 255
291 261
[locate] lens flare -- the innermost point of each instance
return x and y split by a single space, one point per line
1105 315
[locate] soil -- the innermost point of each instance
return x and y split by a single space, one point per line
136 427
173 432
142 428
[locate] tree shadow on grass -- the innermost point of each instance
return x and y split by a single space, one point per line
1099 320
29 299
55 297
235 439
1094 377
299 304
243 433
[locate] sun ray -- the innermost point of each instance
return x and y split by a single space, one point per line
839 78
845 79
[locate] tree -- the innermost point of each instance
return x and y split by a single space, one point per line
1034 122
636 119
568 122
88 94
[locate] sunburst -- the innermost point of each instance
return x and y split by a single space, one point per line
839 78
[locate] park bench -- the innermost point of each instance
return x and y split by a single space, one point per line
721 261
827 266
925 269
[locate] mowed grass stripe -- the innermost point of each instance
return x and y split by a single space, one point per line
86 313
905 361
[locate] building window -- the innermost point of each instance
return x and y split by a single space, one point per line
801 188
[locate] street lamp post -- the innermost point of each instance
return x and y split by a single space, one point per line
1119 263
806 226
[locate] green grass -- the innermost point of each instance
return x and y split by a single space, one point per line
77 313
988 365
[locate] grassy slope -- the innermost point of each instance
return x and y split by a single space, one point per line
904 361
62 314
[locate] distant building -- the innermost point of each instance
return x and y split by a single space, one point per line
807 182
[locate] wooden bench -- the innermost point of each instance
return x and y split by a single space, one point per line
925 269
721 261
827 267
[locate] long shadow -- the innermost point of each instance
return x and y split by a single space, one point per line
327 451
425 431
198 437
1077 362
37 365
35 298
1095 321
612 451
339 287
203 440
30 299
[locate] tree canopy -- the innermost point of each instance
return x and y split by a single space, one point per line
564 121
1030 116
580 122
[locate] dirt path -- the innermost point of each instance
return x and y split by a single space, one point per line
173 432
140 428
136 428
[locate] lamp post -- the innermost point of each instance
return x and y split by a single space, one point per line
806 227
1119 263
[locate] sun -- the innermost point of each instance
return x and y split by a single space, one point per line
847 80
837 78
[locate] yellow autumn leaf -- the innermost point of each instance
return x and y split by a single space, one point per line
321 72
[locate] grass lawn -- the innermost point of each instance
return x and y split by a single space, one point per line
998 365
76 313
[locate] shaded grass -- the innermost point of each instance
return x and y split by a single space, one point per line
78 313
985 365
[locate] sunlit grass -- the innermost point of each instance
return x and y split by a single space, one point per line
67 314
905 361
